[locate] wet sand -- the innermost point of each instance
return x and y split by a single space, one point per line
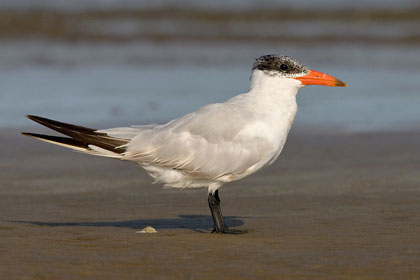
334 206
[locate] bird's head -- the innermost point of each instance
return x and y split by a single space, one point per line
289 71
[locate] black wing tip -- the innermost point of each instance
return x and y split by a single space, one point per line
70 142
26 134
82 136
30 134
31 117
34 135
39 119
60 126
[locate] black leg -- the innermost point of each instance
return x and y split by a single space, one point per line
216 213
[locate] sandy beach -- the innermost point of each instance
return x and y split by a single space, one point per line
341 202
334 206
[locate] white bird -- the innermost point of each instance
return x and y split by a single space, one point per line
214 145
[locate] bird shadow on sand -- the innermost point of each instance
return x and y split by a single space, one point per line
199 223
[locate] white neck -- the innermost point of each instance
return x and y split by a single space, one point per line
275 97
273 86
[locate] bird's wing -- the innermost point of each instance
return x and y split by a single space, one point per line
211 142
126 132
80 138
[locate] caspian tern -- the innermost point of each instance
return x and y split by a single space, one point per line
214 145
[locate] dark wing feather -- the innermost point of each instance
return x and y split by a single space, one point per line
62 141
80 136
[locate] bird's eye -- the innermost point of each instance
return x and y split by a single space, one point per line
284 67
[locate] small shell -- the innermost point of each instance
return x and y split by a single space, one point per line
147 229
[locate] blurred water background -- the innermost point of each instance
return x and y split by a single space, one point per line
119 62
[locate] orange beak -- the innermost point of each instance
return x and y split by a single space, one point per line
319 78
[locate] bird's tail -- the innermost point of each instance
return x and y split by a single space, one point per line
82 139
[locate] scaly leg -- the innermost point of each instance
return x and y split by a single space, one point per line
216 213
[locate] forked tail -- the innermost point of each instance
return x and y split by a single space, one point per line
80 138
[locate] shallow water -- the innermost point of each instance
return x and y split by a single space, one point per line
382 94
131 67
